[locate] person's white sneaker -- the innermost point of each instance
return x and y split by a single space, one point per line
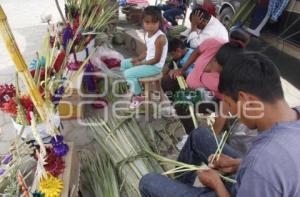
181 144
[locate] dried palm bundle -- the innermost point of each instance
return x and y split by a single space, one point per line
125 144
99 174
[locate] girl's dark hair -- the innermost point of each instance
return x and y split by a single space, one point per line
239 35
200 10
154 12
253 73
237 42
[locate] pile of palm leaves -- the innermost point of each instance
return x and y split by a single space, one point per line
90 15
99 174
124 142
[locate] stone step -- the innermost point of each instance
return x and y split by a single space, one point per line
134 40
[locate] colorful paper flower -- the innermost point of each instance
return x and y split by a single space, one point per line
67 35
54 164
10 107
6 159
2 171
59 147
7 92
58 95
51 186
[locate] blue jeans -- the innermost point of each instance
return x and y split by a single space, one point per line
199 146
170 13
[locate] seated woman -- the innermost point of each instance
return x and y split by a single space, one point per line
203 26
173 8
208 60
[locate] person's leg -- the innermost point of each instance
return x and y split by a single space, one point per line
126 64
164 7
169 86
199 146
185 118
133 74
156 185
171 14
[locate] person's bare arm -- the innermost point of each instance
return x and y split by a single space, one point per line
221 120
219 124
166 70
225 163
222 191
140 58
196 53
211 179
159 45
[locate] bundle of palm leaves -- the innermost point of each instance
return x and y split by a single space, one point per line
99 174
124 142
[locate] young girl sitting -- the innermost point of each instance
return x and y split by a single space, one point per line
151 61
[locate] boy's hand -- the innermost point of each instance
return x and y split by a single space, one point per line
209 178
171 73
176 73
224 164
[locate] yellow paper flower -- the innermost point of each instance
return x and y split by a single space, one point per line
51 186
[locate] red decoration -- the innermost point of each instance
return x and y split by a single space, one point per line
76 23
6 93
59 60
27 105
111 62
10 107
209 7
42 75
54 165
23 185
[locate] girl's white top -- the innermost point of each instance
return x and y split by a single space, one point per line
150 44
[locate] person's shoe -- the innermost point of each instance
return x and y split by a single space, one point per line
181 144
136 101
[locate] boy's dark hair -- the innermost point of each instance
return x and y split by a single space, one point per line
200 10
253 73
154 12
174 44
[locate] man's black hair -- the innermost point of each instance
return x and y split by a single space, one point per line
253 73
154 12
200 10
174 44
